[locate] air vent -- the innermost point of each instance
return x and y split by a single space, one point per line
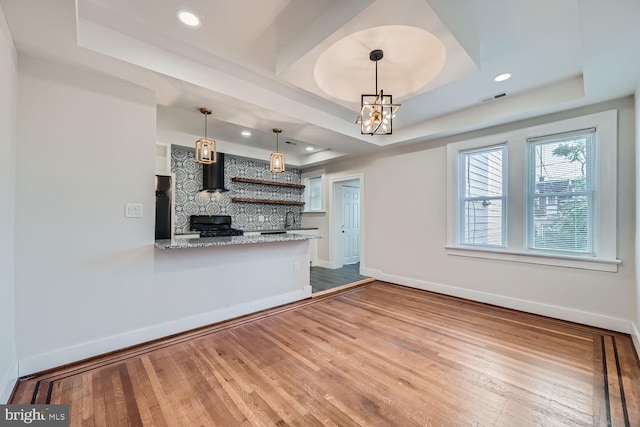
493 97
292 143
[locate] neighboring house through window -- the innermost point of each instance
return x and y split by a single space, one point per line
561 190
482 197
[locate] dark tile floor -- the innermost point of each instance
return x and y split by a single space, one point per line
327 278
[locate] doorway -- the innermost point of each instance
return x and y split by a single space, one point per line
349 192
345 237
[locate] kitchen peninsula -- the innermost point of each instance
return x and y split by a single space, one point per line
205 280
235 247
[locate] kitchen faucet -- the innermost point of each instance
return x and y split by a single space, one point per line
289 222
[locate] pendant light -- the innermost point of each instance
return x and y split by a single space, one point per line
377 111
276 161
206 148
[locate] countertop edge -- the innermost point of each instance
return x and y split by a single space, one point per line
203 242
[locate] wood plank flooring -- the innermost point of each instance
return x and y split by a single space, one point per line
323 279
375 355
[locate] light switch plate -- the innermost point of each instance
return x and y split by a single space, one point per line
133 210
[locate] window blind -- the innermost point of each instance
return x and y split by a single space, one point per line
561 192
482 200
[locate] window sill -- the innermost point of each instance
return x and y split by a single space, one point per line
304 212
598 264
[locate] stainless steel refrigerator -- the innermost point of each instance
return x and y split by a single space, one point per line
163 207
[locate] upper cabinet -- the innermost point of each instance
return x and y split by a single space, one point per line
163 158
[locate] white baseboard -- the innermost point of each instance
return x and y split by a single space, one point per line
8 382
635 336
324 264
327 264
88 349
557 312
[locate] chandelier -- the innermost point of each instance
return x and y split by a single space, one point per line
377 111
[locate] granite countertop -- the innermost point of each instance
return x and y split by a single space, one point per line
280 230
202 242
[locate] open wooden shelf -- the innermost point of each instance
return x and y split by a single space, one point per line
271 202
260 181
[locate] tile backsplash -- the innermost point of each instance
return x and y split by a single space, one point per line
245 216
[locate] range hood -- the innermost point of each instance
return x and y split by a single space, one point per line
213 176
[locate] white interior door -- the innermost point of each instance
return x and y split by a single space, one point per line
351 224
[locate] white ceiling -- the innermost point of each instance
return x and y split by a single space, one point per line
255 62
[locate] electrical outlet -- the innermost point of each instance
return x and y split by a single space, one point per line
296 266
133 210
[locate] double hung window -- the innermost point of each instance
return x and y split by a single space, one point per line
313 194
482 196
561 193
543 195
313 191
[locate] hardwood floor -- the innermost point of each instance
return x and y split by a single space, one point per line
323 279
378 354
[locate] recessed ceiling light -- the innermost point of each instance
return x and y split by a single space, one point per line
188 18
310 148
502 77
245 133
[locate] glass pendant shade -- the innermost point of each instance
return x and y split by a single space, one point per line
206 151
276 161
206 148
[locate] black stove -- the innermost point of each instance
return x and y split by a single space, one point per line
213 226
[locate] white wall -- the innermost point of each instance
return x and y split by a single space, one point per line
636 326
88 280
8 90
86 146
408 185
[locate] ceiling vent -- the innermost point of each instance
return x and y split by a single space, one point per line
493 97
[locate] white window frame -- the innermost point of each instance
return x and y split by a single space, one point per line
591 190
462 198
516 250
318 174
